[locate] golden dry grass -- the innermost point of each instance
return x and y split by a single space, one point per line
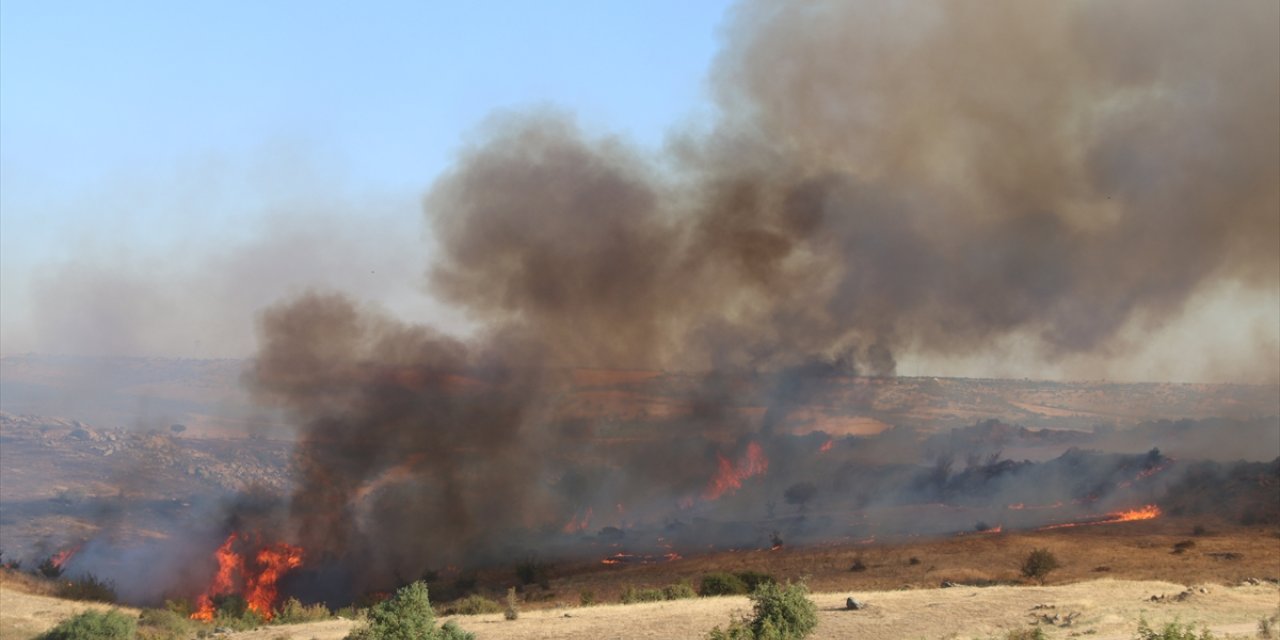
904 597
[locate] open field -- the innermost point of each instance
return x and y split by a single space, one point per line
1218 573
1108 610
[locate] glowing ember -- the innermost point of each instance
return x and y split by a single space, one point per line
270 563
826 446
1148 512
730 476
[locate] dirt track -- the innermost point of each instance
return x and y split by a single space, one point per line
1108 610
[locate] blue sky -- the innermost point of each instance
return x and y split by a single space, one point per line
148 128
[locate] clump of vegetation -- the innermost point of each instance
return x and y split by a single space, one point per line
513 605
1182 546
780 612
586 597
1039 564
1264 629
678 591
232 611
94 625
1199 530
48 568
754 579
1171 631
722 583
407 615
913 561
473 605
632 595
858 565
164 624
293 611
1026 634
88 587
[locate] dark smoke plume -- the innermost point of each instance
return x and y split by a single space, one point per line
880 177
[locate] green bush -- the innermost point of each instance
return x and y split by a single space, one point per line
722 584
407 615
472 605
164 624
1039 563
94 625
1171 631
88 587
678 591
780 612
1026 634
753 579
632 595
293 611
586 597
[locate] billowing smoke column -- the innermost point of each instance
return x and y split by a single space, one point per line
879 177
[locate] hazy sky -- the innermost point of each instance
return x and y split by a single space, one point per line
150 139
169 169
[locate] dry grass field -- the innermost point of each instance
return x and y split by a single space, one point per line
905 599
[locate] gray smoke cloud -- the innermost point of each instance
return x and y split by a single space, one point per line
879 177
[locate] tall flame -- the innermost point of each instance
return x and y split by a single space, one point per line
729 477
260 591
229 563
273 562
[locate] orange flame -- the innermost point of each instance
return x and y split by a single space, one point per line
826 446
273 562
574 525
228 562
730 476
1148 512
60 558
270 563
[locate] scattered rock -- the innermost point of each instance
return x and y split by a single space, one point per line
854 605
947 584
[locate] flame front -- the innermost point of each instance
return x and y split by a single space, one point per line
1148 512
273 562
229 563
270 563
729 477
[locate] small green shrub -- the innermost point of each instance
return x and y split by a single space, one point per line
586 597
292 611
473 605
94 625
632 595
1171 631
1026 634
722 584
754 579
1039 563
678 591
513 605
88 587
407 615
163 624
780 612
